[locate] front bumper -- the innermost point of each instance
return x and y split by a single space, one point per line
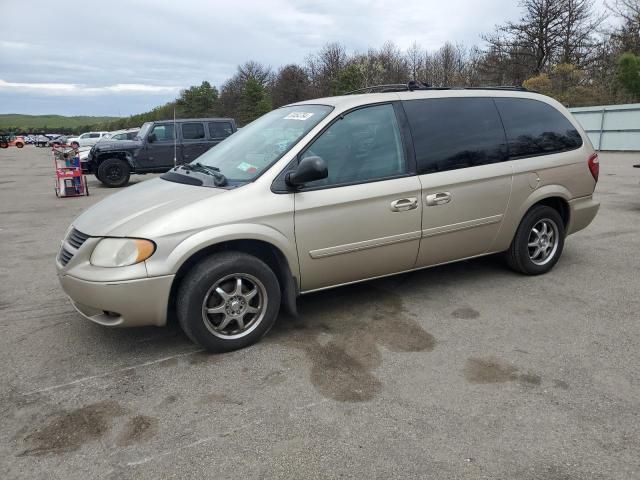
582 212
131 303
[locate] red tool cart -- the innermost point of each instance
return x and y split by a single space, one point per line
70 182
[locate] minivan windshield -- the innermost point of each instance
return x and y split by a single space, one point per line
253 149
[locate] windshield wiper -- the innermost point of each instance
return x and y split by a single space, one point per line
219 179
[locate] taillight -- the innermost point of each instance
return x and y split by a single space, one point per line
594 166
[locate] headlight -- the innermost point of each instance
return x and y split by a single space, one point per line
121 252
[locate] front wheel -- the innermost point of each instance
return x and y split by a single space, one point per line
113 172
228 301
538 242
19 145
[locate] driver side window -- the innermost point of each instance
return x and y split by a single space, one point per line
362 146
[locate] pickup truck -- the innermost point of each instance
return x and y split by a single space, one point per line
157 147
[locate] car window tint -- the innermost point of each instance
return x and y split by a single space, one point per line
192 131
163 132
94 135
361 146
536 128
452 133
220 129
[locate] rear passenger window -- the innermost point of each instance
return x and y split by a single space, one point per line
220 129
452 133
536 128
192 131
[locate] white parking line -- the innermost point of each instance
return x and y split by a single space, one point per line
112 372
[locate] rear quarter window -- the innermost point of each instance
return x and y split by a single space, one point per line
453 133
536 128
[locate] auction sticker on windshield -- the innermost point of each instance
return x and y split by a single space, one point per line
298 116
247 167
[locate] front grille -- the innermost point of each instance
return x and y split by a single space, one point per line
65 256
75 239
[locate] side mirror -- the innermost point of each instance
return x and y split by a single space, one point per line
151 138
308 170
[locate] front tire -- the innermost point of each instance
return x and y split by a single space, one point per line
19 145
538 242
228 301
113 172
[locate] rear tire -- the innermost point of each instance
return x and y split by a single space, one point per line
113 172
538 242
228 301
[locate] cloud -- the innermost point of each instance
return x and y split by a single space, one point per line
78 89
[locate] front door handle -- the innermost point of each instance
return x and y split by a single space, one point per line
439 198
404 204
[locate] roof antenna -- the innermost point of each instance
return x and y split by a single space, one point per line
175 148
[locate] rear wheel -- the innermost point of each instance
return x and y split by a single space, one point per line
538 242
4 145
228 301
113 172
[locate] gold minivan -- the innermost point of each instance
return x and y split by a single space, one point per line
328 192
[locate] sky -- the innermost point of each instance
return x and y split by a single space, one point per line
127 56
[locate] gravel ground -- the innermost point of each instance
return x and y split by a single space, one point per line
465 371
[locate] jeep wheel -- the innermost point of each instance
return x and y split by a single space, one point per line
19 145
538 243
113 172
228 301
4 145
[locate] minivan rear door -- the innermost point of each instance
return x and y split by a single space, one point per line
362 221
461 150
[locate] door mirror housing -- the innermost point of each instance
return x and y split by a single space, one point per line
308 170
151 138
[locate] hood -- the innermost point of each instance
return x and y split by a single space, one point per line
109 145
128 211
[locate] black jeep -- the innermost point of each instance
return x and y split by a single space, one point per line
156 148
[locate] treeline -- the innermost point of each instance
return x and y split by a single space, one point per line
557 47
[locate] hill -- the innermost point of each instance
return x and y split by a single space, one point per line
51 123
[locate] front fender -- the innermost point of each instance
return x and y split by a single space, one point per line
220 234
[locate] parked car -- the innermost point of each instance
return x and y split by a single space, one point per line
153 150
127 134
60 140
41 140
86 139
329 192
7 141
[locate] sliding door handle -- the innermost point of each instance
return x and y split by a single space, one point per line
439 198
404 204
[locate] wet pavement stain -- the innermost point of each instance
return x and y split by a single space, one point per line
341 332
465 313
138 429
69 430
561 384
493 370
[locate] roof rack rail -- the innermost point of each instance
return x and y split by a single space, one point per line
416 85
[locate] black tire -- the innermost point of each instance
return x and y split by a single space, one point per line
113 172
19 145
4 145
197 290
522 256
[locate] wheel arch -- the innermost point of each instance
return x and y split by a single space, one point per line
554 196
266 251
126 156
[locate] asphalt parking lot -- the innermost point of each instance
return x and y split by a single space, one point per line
464 371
